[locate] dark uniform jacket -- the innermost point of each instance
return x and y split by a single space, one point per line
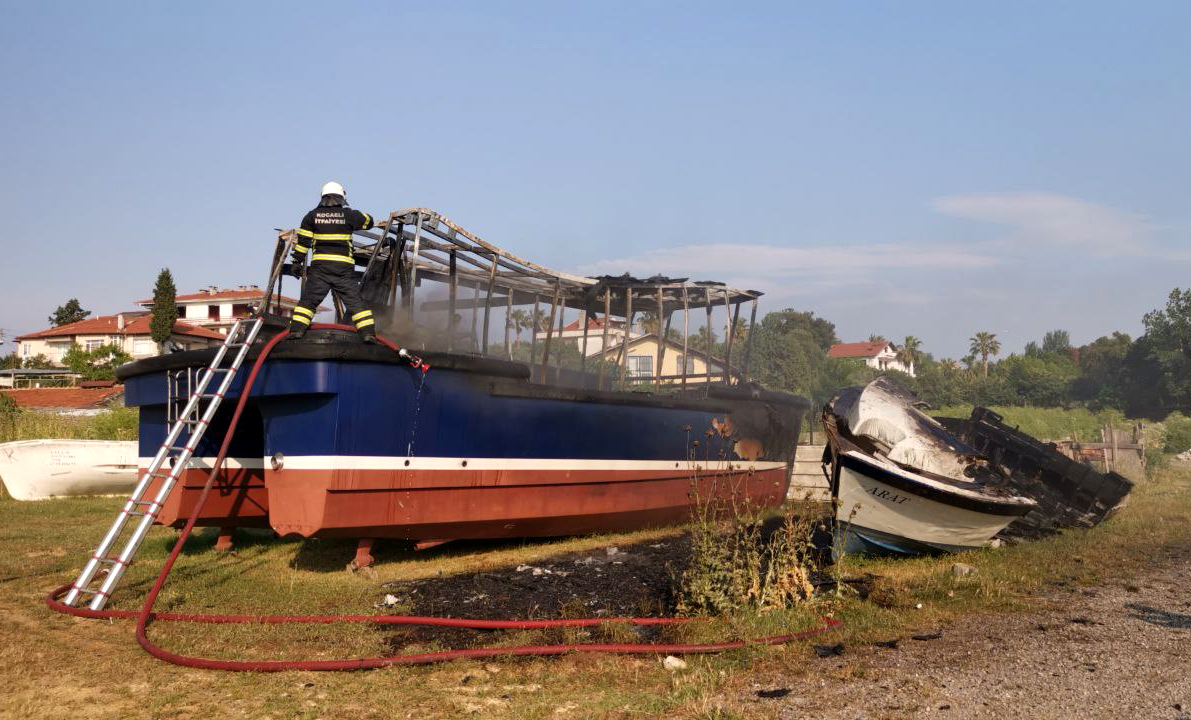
327 230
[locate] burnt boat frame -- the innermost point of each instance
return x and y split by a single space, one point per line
416 245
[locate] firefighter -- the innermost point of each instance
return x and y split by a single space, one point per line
326 236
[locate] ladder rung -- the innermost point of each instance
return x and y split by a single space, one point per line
89 591
110 560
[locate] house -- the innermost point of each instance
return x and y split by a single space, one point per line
218 309
130 331
69 400
879 355
641 358
595 334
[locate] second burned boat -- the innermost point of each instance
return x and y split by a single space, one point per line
501 438
902 484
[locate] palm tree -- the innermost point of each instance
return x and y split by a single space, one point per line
876 339
985 344
704 339
541 320
910 353
518 320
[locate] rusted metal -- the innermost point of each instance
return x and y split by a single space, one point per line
225 541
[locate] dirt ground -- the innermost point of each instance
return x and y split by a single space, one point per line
1118 650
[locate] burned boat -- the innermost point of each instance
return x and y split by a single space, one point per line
902 484
1069 494
500 438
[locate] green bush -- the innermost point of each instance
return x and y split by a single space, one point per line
1178 433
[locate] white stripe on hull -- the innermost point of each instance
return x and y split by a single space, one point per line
869 503
371 462
205 463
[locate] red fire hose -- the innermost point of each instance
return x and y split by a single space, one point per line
146 614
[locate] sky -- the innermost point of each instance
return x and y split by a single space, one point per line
900 168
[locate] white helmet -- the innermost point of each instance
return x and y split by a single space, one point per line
334 188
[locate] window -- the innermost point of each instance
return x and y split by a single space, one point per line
144 346
212 312
640 366
94 344
27 350
690 364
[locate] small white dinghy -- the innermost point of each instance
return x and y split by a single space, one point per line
43 469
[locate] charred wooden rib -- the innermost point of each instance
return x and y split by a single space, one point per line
1069 494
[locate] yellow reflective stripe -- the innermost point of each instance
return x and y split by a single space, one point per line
367 219
336 236
336 258
361 314
304 311
365 323
302 249
301 319
306 233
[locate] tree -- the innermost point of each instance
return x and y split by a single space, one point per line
518 320
38 361
1160 363
97 364
911 352
165 308
1056 341
11 361
71 312
1103 376
704 339
877 339
985 344
541 320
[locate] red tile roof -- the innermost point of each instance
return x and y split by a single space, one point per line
253 294
858 349
71 397
135 324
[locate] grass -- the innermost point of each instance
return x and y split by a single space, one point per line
116 424
56 665
1049 423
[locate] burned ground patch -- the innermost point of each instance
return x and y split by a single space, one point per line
615 581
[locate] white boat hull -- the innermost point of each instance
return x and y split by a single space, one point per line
43 469
877 516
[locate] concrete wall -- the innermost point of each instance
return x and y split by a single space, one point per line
807 481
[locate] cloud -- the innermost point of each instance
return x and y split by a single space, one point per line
1056 220
768 263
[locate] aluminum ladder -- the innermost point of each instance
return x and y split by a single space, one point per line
169 463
